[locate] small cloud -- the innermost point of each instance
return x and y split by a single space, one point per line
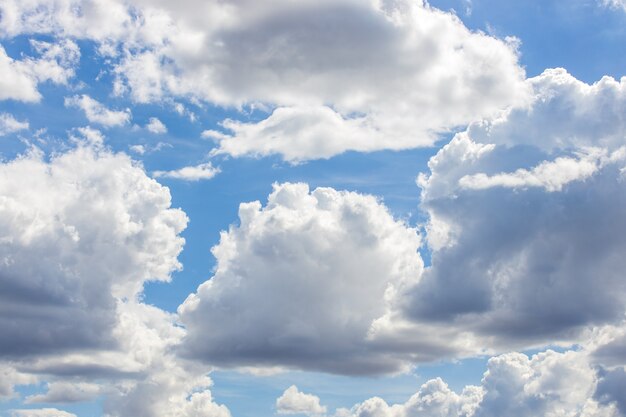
191 173
88 135
8 124
156 126
138 149
295 402
96 112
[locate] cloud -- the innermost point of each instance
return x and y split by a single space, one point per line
329 259
525 221
156 126
96 112
550 175
292 401
42 412
9 377
191 173
78 233
547 384
8 124
387 75
66 392
20 78
615 4
565 113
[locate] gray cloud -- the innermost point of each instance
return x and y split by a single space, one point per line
526 224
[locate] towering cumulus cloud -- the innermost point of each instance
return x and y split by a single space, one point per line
299 282
527 222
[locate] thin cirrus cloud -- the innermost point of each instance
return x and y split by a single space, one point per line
615 4
412 71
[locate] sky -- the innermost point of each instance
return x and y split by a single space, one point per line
320 208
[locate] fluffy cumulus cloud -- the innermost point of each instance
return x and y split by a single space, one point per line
547 384
80 234
526 224
156 126
199 172
292 401
8 124
329 260
96 112
54 62
382 74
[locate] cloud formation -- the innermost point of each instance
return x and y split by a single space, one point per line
8 124
96 112
199 172
292 401
329 259
525 219
385 75
546 384
55 63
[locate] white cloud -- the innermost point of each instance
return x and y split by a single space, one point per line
546 384
565 113
9 377
525 227
66 392
20 78
42 412
80 234
8 124
138 149
191 173
96 112
330 260
75 234
156 126
551 175
292 401
410 73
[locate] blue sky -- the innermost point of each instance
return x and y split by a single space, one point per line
465 244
